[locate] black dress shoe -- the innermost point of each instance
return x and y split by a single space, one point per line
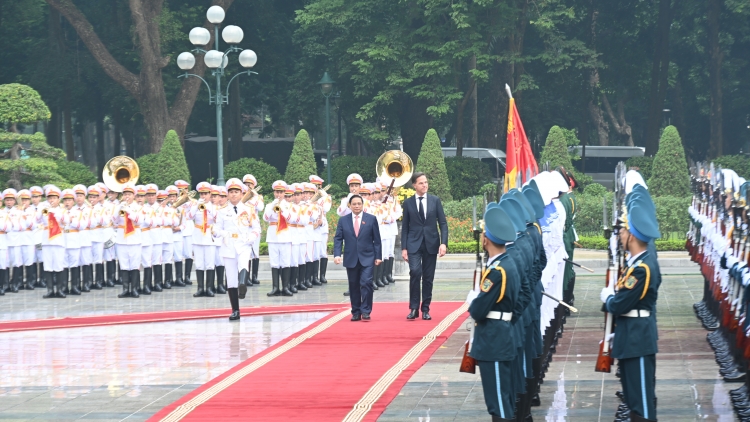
426 316
235 316
346 293
356 317
414 314
366 317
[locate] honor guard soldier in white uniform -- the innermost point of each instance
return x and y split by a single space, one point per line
255 202
237 227
313 216
164 235
5 226
354 181
85 258
52 218
278 237
154 236
321 230
147 250
379 209
97 237
10 233
298 219
16 217
221 203
27 247
177 238
204 249
128 217
36 198
187 236
72 272
109 201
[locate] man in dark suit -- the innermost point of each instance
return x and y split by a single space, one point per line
421 243
360 234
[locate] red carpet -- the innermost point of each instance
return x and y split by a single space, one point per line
165 316
332 371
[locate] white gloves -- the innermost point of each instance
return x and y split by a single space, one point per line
610 337
606 292
471 296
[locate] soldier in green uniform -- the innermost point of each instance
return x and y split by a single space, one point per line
634 306
569 202
494 345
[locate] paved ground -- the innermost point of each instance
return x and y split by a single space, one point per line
129 372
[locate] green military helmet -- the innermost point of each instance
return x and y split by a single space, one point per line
535 199
515 212
498 226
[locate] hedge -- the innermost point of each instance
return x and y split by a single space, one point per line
466 175
166 166
264 173
302 160
343 166
76 173
432 164
740 163
669 174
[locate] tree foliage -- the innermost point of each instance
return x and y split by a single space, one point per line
75 173
466 175
432 163
264 173
555 150
166 166
302 161
669 174
21 104
345 165
739 163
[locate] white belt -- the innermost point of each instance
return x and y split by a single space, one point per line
635 313
505 316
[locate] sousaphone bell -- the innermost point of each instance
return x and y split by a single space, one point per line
119 172
394 168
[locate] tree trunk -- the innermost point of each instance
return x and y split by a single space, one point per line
659 73
117 120
595 112
620 124
235 121
100 160
495 118
678 110
70 149
716 56
52 132
473 103
414 122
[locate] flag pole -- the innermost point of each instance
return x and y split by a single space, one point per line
507 89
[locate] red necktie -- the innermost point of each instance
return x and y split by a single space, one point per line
356 225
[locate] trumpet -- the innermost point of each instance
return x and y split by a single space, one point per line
202 206
251 193
277 207
45 211
321 193
184 197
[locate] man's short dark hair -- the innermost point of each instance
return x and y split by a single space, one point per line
355 196
416 177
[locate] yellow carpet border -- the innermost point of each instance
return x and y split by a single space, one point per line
184 409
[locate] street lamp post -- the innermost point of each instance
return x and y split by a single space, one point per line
326 86
217 61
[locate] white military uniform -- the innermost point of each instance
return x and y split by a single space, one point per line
279 243
237 227
53 248
128 244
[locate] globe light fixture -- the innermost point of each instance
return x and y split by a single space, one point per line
199 36
213 59
232 34
248 58
215 14
186 61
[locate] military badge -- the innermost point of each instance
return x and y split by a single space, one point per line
630 282
486 285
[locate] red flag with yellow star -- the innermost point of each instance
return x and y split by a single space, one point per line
520 164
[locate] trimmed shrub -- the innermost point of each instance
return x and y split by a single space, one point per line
336 191
343 166
38 163
467 175
166 166
464 209
264 173
21 104
431 162
595 189
76 173
669 175
740 163
302 161
555 150
642 164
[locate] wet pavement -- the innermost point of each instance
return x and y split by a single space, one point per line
129 372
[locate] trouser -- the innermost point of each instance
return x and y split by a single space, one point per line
147 252
15 257
110 254
233 266
28 254
279 255
177 247
421 273
97 252
218 259
309 248
129 257
53 258
496 383
204 257
187 247
388 244
72 257
156 254
167 253
294 260
4 259
637 376
87 257
320 250
360 288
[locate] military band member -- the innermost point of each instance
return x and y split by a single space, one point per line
36 198
26 249
109 201
321 230
394 213
187 236
52 219
298 220
633 303
354 181
236 229
204 249
71 273
145 226
16 217
492 310
85 258
127 218
257 203
5 226
278 237
97 237
175 233
221 203
154 235
314 215
164 236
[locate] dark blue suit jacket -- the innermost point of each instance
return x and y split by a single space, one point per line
415 228
364 248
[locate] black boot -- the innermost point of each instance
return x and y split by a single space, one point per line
41 281
220 280
305 275
311 276
178 275
294 286
378 273
286 277
295 276
2 282
63 278
111 267
135 283
242 287
50 285
5 280
499 419
200 274
383 279
210 275
275 282
118 279
148 275
188 272
17 279
125 284
389 274
75 281
314 276
98 277
248 280
256 266
157 278
85 280
60 280
323 268
235 302
168 280
30 276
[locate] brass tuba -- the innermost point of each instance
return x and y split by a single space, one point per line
184 197
394 168
120 171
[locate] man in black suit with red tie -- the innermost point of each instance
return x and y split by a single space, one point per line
359 233
421 243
